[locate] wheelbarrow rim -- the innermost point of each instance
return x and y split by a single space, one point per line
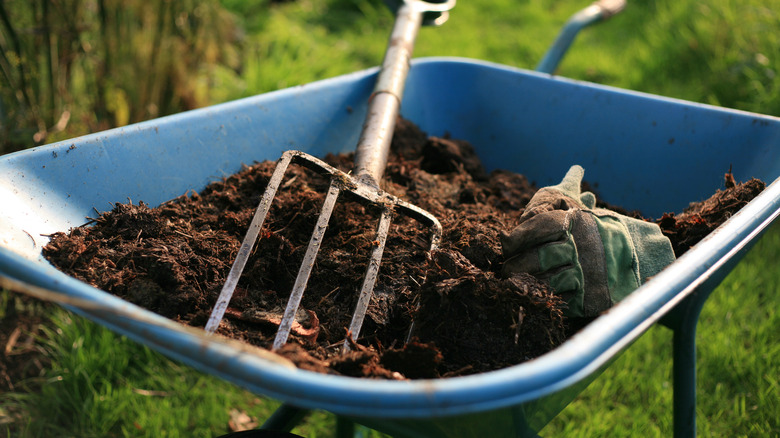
580 356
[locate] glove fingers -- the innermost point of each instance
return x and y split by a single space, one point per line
546 261
588 199
546 200
556 264
543 228
527 262
570 185
565 249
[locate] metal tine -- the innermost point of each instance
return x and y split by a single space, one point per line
249 241
306 266
369 280
339 181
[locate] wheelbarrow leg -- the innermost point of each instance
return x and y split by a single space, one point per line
684 365
344 428
285 418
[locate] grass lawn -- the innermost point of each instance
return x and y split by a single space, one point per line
721 52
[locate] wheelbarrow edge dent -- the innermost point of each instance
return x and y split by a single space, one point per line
513 385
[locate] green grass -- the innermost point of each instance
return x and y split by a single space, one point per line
100 384
721 52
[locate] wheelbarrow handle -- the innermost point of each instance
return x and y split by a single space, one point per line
596 12
610 7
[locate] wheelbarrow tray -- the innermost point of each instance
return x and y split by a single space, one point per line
645 152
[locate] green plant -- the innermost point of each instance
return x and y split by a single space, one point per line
70 67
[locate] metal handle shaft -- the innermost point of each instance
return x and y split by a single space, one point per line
374 144
383 108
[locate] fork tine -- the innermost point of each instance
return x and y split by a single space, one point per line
306 266
372 271
339 181
249 242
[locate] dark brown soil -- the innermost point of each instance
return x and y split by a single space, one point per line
460 316
700 218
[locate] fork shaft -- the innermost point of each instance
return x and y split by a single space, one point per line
374 144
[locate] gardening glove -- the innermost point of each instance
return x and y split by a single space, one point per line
592 257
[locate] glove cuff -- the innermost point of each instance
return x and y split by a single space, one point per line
654 250
651 250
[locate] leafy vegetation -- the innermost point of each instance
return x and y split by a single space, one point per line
75 66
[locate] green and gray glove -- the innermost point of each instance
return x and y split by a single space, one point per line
592 257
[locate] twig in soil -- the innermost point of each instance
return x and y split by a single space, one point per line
292 220
289 182
322 300
262 317
518 323
183 234
352 343
150 393
9 346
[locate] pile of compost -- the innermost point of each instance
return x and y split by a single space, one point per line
443 314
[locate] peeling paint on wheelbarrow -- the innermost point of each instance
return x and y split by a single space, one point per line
645 152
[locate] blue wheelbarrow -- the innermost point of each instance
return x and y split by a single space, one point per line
523 121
